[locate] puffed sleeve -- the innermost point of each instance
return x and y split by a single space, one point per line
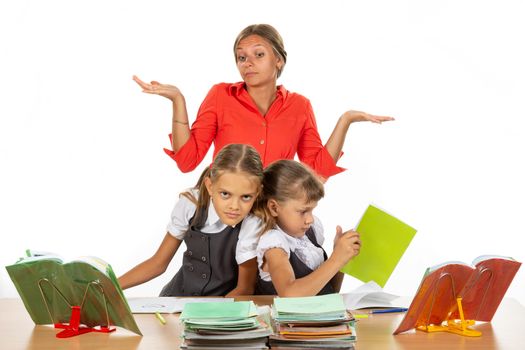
181 214
271 239
311 151
202 134
248 238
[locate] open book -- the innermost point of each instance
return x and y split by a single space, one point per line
49 287
481 287
371 295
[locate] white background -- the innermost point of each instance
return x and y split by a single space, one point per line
82 166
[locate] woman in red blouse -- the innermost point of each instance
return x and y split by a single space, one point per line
256 111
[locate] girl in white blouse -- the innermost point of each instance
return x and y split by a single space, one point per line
290 257
215 222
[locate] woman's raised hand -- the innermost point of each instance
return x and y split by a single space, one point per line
169 91
358 116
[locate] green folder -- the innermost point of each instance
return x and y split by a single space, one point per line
49 287
219 310
320 304
384 239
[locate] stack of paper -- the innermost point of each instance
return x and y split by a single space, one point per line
318 322
224 325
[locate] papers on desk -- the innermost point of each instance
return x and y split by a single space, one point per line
371 295
166 305
212 325
317 322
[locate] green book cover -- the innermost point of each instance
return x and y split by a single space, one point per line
49 287
219 310
319 304
384 239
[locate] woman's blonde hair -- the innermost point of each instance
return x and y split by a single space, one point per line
233 158
268 33
284 180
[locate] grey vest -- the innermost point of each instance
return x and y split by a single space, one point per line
299 268
208 265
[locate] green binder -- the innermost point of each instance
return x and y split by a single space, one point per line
50 288
384 239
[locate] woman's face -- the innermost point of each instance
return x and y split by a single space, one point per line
256 61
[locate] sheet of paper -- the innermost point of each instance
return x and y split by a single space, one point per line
384 240
315 306
370 295
219 311
166 304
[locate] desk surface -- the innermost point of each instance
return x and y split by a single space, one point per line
17 331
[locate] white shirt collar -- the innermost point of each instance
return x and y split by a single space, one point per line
213 217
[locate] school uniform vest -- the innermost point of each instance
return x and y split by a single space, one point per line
300 269
208 265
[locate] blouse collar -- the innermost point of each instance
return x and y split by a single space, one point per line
239 88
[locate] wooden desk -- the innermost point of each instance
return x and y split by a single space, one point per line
17 331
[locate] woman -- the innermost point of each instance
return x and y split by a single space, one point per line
278 123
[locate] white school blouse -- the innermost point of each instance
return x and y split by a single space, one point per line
184 210
305 250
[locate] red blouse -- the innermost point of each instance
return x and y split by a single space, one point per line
229 115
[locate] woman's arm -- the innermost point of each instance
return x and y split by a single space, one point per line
335 142
247 278
189 146
154 266
180 128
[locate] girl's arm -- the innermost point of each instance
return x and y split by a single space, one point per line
247 278
283 276
180 127
335 142
347 245
152 267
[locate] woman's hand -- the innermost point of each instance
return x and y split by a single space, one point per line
169 91
346 245
358 116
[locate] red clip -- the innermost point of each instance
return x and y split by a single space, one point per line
75 328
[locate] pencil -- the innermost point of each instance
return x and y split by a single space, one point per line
386 311
160 318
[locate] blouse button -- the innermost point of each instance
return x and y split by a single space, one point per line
203 276
203 258
261 142
190 268
264 124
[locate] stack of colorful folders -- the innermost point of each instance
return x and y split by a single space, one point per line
224 325
318 322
